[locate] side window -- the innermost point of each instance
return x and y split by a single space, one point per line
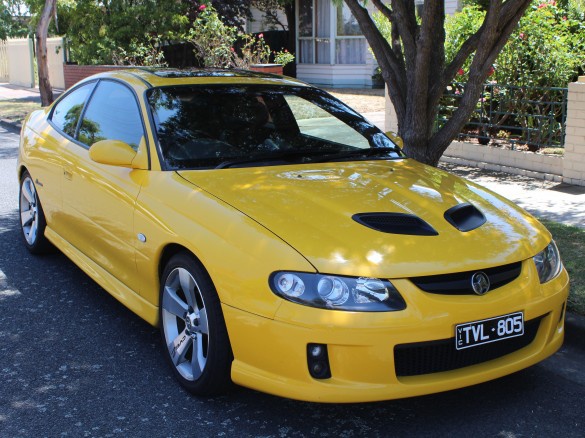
67 111
112 114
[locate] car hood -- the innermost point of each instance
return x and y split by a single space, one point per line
310 206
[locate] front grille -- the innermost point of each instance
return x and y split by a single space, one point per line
460 282
437 356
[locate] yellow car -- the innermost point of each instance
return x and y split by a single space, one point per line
282 242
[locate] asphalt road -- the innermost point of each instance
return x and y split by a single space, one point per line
75 362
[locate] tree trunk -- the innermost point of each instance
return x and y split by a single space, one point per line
42 64
416 72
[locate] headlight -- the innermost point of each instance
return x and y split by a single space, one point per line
333 292
548 263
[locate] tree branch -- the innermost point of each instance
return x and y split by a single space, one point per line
393 70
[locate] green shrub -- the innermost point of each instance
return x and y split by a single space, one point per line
547 49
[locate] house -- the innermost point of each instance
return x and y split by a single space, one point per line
330 48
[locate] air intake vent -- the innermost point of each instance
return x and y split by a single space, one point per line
395 223
465 217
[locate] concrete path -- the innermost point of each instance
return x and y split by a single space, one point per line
8 91
546 199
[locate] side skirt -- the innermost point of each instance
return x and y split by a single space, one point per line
112 285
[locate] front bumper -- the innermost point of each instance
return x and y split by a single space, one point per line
271 355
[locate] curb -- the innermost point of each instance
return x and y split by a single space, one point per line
575 329
11 125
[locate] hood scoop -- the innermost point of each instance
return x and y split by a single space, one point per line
395 223
465 217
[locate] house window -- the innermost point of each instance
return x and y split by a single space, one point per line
350 44
328 34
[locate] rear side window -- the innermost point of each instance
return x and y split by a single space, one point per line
67 112
112 114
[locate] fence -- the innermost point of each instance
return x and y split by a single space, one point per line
18 62
3 62
531 116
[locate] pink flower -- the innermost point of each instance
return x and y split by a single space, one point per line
522 36
202 8
460 72
564 18
457 92
542 5
260 35
232 49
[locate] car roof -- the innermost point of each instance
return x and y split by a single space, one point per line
158 77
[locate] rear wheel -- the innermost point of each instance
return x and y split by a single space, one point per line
32 218
193 329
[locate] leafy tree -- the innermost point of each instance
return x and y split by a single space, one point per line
416 70
101 32
13 22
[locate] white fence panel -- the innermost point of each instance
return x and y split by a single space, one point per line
20 62
3 62
55 59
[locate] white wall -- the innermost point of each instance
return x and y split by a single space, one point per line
55 59
452 6
20 62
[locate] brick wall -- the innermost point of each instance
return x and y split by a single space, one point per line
574 168
75 73
548 167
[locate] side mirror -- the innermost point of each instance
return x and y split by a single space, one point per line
113 153
395 138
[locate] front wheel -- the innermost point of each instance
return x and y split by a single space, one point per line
32 217
192 327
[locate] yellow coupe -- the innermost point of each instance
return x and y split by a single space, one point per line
282 242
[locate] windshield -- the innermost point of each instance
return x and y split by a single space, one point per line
220 126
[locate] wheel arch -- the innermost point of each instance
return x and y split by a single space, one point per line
21 169
169 251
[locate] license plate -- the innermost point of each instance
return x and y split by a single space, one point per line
472 334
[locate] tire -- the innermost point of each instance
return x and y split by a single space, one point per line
195 340
32 217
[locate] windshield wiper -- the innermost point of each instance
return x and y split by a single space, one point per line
283 155
371 152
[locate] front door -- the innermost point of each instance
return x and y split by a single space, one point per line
99 199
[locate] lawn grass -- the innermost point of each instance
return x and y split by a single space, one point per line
571 243
17 109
